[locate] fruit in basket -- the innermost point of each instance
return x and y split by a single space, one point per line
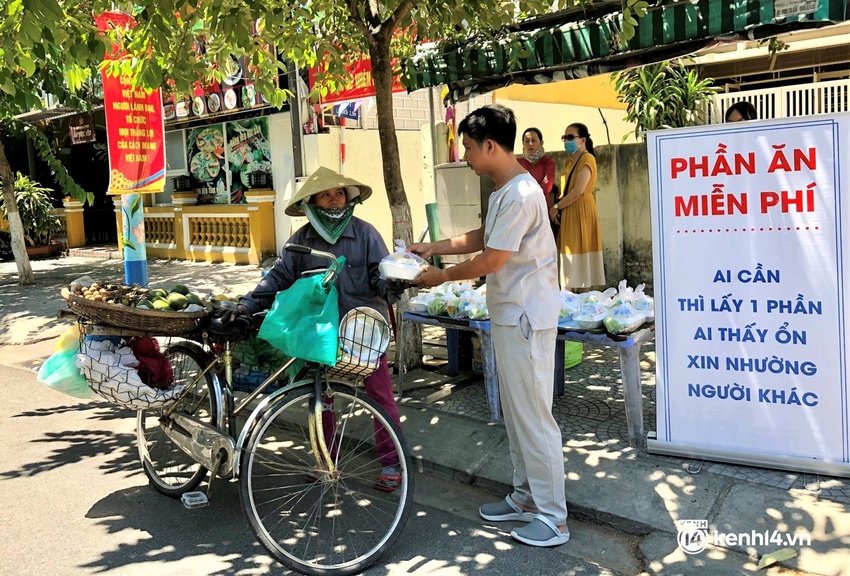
145 304
177 301
158 292
193 299
180 289
161 305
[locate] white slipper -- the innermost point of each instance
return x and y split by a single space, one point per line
541 532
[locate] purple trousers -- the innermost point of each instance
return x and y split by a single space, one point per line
379 387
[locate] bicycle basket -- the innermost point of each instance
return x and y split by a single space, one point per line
364 337
116 381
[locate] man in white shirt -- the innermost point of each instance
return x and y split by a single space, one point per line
519 259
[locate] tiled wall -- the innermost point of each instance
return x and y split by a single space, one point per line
411 110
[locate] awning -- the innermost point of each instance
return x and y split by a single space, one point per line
577 43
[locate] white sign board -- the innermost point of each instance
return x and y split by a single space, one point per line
751 223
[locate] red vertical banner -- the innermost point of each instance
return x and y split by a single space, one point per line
135 127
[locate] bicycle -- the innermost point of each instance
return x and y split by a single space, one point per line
305 456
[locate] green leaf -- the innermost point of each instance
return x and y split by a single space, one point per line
26 64
8 87
778 556
152 76
134 206
129 244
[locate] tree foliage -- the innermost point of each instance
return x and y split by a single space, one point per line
664 95
46 47
35 208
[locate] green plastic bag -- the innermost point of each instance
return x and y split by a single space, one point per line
304 321
60 372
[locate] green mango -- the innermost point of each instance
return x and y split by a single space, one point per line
180 289
177 301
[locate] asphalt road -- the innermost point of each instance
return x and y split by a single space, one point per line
74 501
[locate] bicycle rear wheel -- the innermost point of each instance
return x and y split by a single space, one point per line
312 521
171 471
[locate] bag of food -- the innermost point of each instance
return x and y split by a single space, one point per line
60 372
401 264
623 319
437 306
643 303
590 316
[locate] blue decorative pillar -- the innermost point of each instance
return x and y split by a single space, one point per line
133 240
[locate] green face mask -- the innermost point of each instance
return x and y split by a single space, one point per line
330 224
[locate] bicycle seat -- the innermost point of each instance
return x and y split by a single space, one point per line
226 327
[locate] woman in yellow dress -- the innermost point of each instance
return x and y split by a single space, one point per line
579 241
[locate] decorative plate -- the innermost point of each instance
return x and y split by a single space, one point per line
181 109
168 111
214 103
230 99
233 69
249 94
198 106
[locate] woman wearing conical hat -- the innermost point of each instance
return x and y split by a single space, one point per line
328 199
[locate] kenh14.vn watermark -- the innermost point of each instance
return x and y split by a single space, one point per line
694 536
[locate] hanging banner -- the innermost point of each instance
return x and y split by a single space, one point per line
362 84
249 152
750 278
207 165
134 125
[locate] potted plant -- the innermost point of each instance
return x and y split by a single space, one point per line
39 221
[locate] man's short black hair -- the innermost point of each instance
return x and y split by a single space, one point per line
493 122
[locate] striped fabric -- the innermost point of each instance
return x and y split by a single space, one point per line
572 48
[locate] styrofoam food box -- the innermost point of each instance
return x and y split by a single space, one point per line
398 271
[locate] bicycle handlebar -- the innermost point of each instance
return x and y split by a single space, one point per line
333 263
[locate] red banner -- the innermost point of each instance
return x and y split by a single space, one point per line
134 125
362 86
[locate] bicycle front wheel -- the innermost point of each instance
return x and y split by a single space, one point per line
171 471
315 521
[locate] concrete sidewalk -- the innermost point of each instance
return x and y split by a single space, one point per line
605 482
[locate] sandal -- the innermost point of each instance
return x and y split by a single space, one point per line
541 532
505 511
389 479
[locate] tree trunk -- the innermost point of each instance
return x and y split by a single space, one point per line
16 228
382 74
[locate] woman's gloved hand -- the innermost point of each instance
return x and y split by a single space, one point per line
397 286
391 290
230 314
228 321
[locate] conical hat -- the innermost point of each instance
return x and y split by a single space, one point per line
326 179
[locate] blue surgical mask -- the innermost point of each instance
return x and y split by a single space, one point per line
570 146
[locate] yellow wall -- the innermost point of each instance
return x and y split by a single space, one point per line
363 163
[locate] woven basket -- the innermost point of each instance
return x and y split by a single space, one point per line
153 321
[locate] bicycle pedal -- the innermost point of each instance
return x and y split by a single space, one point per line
195 499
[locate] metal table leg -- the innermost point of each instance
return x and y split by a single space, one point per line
400 345
630 369
491 376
